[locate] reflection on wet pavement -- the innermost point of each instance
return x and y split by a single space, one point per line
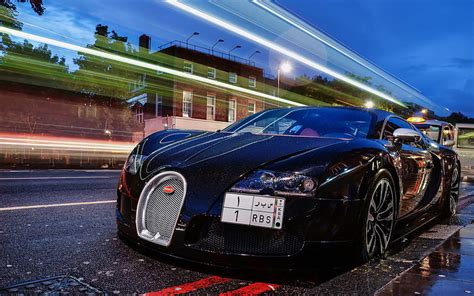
447 271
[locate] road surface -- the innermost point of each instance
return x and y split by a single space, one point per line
62 223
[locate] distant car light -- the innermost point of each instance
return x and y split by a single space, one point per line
416 119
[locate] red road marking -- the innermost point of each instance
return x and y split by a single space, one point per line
189 287
252 289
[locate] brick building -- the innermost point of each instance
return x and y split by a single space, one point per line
161 101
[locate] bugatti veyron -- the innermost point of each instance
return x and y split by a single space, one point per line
286 188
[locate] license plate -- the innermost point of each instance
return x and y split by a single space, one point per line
253 210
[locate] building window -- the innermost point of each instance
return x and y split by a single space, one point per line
187 103
158 106
211 107
232 77
139 113
188 67
251 108
137 84
232 110
252 81
211 73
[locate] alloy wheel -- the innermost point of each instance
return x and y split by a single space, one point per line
380 219
454 192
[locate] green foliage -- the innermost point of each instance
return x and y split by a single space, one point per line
8 18
101 76
36 5
458 117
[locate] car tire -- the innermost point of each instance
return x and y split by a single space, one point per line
377 218
451 201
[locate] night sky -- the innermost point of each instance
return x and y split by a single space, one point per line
427 43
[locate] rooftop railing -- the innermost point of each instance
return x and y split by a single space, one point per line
209 51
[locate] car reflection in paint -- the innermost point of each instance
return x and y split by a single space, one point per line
286 188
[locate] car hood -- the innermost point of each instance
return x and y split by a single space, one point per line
213 162
238 153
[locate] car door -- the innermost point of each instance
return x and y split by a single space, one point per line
417 164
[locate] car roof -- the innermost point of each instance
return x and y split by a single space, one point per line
468 125
379 114
431 122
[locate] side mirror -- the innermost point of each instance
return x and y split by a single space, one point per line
449 143
406 135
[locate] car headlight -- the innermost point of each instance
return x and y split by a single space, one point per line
277 183
134 162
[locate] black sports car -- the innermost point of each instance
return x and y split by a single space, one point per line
284 188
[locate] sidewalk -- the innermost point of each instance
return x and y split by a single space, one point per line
449 270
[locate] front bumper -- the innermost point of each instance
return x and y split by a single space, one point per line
322 237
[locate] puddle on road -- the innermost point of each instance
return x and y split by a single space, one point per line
447 271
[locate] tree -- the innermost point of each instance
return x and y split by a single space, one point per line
36 5
458 117
101 76
24 62
105 81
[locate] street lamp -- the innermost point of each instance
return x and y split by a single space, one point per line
235 47
424 111
192 35
254 53
284 67
218 41
369 104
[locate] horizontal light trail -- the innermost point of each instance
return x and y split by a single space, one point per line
287 52
67 146
55 178
252 289
57 205
75 144
146 65
189 287
78 143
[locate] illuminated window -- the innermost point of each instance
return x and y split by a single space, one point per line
251 108
187 103
211 106
188 67
232 77
158 106
211 73
139 113
252 81
232 110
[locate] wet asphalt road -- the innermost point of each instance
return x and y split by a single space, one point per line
80 241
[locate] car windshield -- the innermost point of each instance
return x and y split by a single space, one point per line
466 138
431 131
308 122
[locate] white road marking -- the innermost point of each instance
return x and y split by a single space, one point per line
51 178
57 205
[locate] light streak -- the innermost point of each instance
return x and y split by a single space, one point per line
55 178
354 57
19 140
269 44
130 61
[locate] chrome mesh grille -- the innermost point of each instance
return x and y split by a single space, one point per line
162 209
157 211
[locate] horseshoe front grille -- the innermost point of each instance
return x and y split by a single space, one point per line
158 208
